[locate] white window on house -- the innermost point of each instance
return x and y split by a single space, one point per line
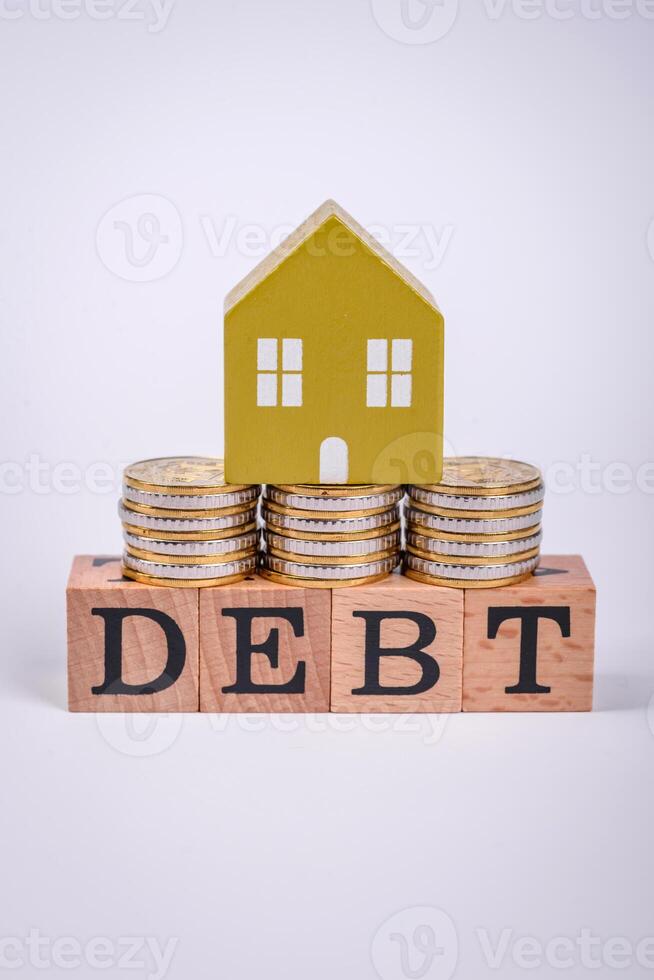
389 377
279 379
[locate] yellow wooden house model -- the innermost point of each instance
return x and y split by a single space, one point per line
333 364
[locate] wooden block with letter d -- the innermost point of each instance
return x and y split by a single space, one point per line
264 647
397 646
131 647
530 646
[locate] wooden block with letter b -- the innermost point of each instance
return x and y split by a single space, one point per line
397 646
530 646
131 647
264 647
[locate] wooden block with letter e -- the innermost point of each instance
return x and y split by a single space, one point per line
530 647
397 646
264 647
131 647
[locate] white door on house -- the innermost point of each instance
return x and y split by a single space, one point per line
333 460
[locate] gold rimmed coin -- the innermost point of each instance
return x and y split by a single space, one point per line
476 514
476 560
461 583
461 538
485 475
164 559
179 524
333 546
418 519
182 502
194 572
336 506
333 573
149 511
452 572
221 546
175 536
506 503
432 544
326 538
182 583
187 475
306 583
333 561
275 516
322 514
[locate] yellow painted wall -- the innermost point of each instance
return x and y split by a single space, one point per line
334 293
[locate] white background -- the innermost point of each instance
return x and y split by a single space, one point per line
513 145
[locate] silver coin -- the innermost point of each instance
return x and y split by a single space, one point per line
333 505
326 572
474 573
188 502
184 524
337 549
198 549
190 571
471 549
494 503
341 525
417 518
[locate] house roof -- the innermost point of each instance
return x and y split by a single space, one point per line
329 209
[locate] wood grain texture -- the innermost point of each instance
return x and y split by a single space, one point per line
218 647
96 582
565 664
444 607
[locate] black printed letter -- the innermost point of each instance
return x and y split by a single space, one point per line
528 616
270 647
374 652
113 652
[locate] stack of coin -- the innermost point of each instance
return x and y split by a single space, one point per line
330 536
184 526
480 527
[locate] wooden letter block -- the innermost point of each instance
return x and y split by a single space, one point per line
397 646
264 647
529 647
131 647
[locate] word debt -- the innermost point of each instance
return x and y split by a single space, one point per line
393 646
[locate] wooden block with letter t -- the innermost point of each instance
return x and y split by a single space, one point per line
397 646
131 647
530 647
264 647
